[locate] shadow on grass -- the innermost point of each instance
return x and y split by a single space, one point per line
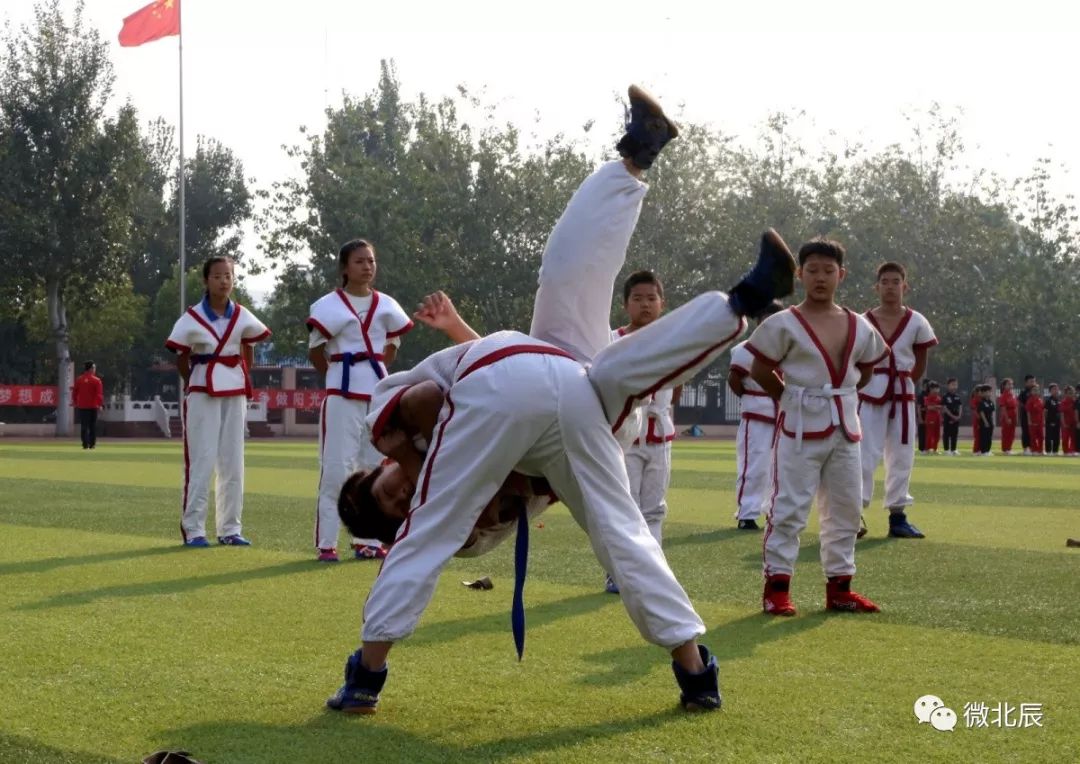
730 641
536 616
175 586
708 537
810 551
16 749
332 736
52 563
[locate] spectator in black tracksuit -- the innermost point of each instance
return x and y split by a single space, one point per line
985 413
1022 396
920 415
953 406
1053 419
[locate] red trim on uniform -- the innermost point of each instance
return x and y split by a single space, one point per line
349 396
755 417
756 393
176 347
216 393
629 405
429 465
222 340
925 345
187 467
745 464
775 491
760 356
739 370
508 351
403 330
322 448
901 325
313 323
256 338
879 359
386 412
365 324
835 375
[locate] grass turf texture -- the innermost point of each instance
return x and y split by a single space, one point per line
117 642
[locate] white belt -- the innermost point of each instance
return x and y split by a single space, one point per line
828 392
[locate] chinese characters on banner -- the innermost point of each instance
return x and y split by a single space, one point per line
290 399
27 395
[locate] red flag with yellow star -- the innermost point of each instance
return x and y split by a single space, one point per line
159 19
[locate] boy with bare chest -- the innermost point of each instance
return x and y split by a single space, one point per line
827 352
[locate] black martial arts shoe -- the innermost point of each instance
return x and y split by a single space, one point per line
360 693
772 278
700 692
749 525
647 129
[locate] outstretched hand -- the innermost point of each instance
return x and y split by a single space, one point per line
437 311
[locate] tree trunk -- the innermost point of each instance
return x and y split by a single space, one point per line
64 381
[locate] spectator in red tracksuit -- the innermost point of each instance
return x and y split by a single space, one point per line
1008 415
1035 407
976 446
1068 421
932 417
88 395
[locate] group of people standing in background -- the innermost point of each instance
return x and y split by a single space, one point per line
1048 424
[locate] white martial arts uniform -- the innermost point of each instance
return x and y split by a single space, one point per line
817 438
887 411
213 412
355 331
753 442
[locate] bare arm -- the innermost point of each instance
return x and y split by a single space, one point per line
735 382
438 311
765 375
249 357
919 368
317 356
866 373
183 365
389 354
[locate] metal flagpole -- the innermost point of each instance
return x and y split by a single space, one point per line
180 172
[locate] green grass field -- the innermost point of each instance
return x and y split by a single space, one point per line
117 642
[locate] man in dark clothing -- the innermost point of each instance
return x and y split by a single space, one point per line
920 415
1022 396
88 396
953 407
1053 419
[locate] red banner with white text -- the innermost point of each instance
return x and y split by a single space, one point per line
290 399
28 395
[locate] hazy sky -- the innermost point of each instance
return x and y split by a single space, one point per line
254 71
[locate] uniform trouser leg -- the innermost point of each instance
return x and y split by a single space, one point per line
93 417
874 421
839 505
1035 438
952 433
667 352
582 258
899 457
1053 439
921 435
229 482
481 435
986 438
589 476
753 457
1025 435
343 438
652 493
201 415
1008 435
933 436
797 475
85 426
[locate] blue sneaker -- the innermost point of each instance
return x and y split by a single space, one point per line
198 541
234 540
360 693
647 129
772 278
904 530
700 692
610 586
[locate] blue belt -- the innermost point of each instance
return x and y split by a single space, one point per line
521 562
348 359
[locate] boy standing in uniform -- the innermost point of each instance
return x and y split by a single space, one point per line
986 418
754 441
886 407
828 353
1053 419
952 409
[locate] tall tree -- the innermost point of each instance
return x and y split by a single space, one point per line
67 168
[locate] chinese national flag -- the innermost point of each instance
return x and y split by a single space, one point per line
159 19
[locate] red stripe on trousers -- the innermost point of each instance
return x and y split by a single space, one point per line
775 491
187 467
322 449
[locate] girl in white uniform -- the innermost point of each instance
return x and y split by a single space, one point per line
213 341
753 442
355 334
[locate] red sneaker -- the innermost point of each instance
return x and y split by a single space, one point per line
776 600
838 596
368 552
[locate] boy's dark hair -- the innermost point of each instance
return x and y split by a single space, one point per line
1029 377
934 385
641 277
360 513
1052 385
343 260
88 366
210 263
891 267
822 247
950 380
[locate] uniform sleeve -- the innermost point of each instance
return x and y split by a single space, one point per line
771 341
99 393
180 339
741 359
872 350
924 334
316 338
254 329
396 320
